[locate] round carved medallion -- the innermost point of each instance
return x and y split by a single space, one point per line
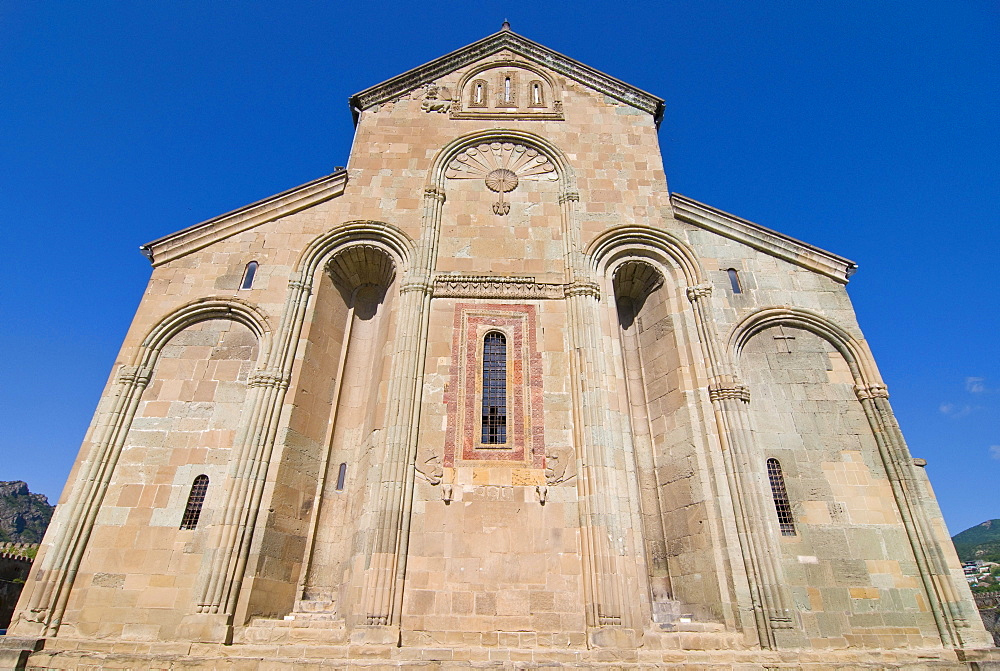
501 180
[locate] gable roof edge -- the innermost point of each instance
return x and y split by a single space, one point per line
763 239
201 235
507 39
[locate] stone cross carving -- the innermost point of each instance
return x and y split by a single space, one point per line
783 339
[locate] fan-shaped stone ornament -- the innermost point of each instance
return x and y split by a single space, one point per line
502 165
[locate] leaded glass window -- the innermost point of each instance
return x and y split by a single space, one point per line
494 389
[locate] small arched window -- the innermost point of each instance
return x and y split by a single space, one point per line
194 503
508 93
781 504
248 275
537 95
494 389
734 281
341 477
478 94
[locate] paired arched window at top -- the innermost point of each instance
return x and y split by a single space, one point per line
248 275
192 512
494 389
537 94
478 94
782 506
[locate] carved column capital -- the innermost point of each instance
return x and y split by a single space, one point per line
298 284
582 288
267 378
137 376
569 197
734 390
418 286
434 193
871 391
699 291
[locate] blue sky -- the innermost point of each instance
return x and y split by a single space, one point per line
867 128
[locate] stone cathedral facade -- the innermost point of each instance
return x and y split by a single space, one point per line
493 393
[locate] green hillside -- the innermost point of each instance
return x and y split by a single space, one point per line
980 542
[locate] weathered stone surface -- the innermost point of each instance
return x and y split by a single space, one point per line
676 449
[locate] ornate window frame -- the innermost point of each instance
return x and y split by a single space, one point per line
525 431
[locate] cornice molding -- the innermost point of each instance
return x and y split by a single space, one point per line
201 235
522 46
763 239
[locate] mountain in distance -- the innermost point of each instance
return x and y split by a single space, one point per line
979 542
23 516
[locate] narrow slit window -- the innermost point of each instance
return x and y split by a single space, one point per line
248 275
506 89
734 281
479 94
536 93
194 503
341 477
494 389
786 521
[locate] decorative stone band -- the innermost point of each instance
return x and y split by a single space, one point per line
268 378
485 286
134 375
583 289
569 197
434 193
871 391
699 291
719 392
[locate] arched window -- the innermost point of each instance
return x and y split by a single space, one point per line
341 477
537 95
734 281
195 500
478 94
508 93
781 505
248 274
494 389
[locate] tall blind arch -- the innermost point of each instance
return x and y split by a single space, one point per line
781 504
195 500
494 389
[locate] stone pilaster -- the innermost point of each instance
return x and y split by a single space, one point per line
47 602
772 604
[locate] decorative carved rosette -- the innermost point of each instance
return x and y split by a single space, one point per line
502 166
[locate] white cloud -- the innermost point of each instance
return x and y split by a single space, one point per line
957 411
975 385
995 452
